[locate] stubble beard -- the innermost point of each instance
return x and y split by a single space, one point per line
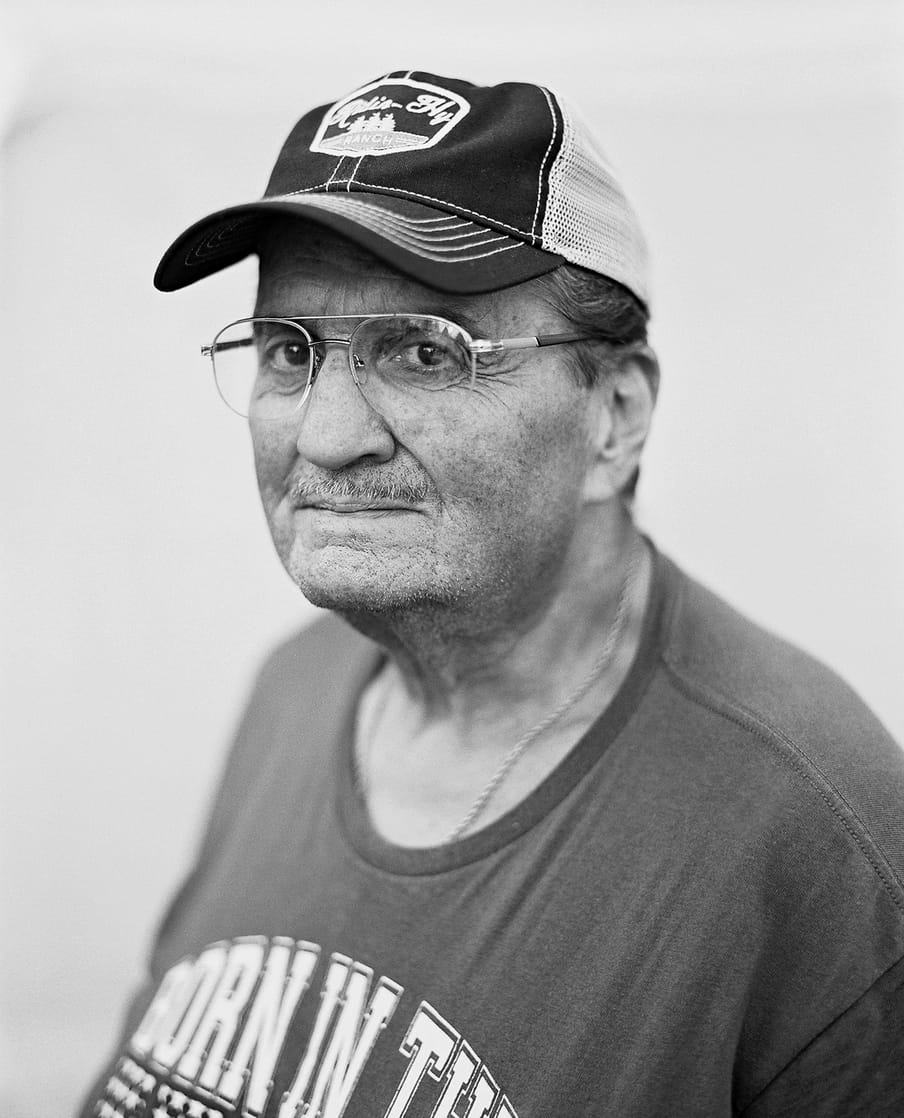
462 590
412 600
374 587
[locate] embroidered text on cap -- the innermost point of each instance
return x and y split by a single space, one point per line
387 117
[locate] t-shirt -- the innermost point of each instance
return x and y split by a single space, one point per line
699 912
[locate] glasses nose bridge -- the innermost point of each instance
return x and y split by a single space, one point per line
318 348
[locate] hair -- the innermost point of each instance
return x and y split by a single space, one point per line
598 306
612 315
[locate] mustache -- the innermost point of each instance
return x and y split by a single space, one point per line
359 487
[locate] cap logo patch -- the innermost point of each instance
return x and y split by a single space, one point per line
388 117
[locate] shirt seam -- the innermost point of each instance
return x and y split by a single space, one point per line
791 752
801 1052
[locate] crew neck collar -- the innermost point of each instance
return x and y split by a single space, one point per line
425 861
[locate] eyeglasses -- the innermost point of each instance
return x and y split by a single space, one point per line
265 368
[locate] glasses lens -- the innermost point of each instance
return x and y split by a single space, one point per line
262 367
410 352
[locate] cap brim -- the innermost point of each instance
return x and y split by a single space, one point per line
439 249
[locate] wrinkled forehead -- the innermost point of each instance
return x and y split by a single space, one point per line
308 270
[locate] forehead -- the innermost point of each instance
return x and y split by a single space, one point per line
308 270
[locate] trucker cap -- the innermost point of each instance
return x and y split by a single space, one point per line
465 188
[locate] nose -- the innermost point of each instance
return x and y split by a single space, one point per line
337 425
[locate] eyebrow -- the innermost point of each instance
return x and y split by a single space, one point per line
459 317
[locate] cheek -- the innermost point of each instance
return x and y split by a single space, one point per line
506 467
274 452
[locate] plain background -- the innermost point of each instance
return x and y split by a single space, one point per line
762 145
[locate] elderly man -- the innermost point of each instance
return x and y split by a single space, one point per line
533 825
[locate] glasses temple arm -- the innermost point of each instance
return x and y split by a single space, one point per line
482 346
207 350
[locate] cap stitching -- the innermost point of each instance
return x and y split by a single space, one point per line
333 172
552 139
200 252
464 240
381 221
409 244
354 172
440 225
438 258
321 186
400 231
425 197
329 197
401 220
480 236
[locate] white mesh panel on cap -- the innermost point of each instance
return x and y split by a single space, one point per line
588 219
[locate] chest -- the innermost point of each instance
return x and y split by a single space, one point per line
509 990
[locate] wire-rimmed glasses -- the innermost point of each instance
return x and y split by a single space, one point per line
265 367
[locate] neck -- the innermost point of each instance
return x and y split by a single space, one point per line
464 722
460 663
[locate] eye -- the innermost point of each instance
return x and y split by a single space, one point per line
284 353
415 347
430 353
283 360
420 352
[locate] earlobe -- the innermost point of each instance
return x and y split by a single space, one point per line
626 410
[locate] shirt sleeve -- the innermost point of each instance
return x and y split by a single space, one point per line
853 1069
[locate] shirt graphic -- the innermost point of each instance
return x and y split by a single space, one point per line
218 1035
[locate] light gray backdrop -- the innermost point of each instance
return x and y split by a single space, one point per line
763 147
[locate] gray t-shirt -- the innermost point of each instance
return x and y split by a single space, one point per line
700 912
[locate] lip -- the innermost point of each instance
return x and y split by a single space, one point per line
351 507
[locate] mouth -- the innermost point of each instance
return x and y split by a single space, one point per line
350 506
346 496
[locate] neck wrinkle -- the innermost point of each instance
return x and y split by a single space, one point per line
441 670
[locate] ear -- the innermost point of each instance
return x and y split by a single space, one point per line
624 413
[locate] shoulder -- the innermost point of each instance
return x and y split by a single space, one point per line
798 716
792 794
722 657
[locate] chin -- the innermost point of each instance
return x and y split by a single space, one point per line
368 585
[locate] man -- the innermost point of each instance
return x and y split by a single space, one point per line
534 825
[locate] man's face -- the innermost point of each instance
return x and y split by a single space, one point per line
465 498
